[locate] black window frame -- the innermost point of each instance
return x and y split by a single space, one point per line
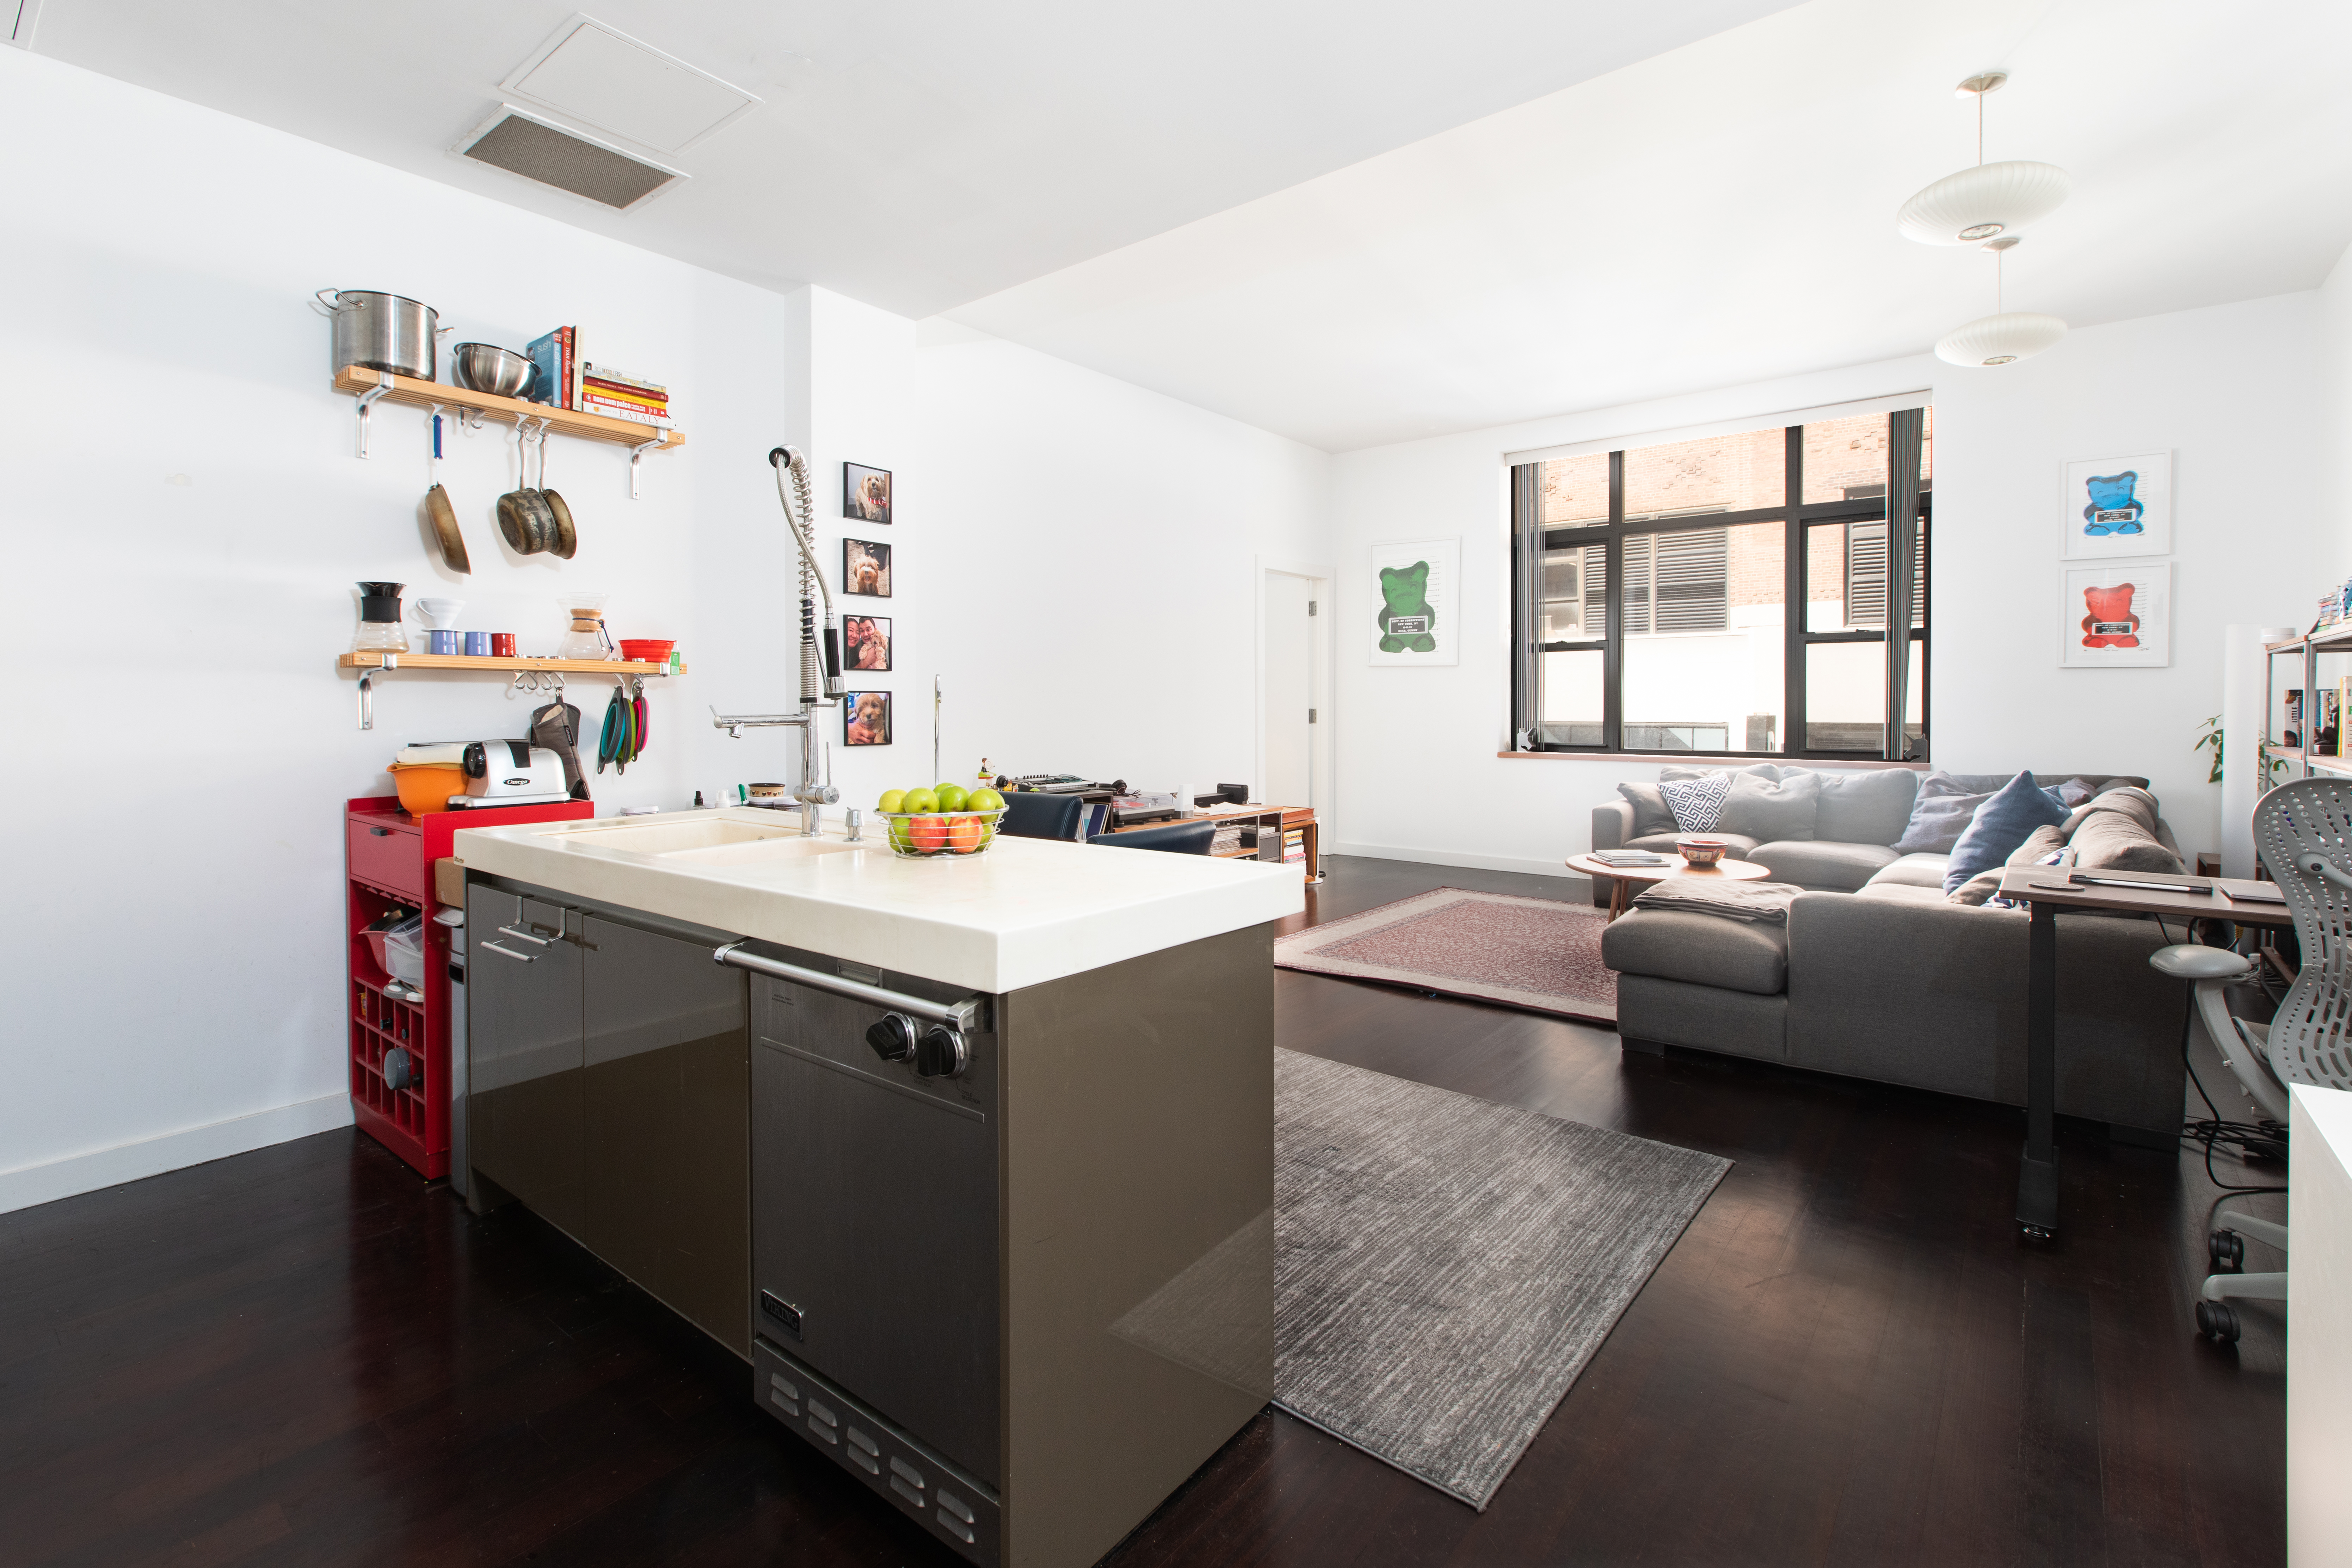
1907 508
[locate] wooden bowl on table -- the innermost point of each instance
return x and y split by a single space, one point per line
1701 850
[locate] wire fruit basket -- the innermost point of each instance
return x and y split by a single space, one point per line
939 835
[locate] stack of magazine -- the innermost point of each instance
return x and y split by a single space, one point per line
1629 857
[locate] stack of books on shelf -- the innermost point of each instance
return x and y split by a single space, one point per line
1294 846
1628 857
566 380
1228 840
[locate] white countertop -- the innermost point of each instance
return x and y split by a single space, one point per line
1024 911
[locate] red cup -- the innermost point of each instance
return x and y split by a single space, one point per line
502 645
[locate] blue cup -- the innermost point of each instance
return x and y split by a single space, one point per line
442 642
478 645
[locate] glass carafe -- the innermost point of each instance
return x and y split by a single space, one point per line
380 630
587 639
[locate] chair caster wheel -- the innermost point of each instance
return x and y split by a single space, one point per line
2035 1232
2228 1250
2218 1322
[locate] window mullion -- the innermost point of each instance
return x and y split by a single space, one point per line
1903 428
1612 655
1792 595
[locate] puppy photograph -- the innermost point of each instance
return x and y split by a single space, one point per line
866 641
865 717
865 493
866 569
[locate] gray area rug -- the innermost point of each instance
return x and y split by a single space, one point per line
1445 1266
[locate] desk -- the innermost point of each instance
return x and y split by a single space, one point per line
2045 890
1271 822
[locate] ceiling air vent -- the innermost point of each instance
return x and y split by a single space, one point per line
522 143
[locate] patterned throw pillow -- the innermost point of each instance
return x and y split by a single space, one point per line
1697 803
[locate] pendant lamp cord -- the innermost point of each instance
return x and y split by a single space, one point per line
1980 98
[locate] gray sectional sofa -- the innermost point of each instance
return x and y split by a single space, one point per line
1878 975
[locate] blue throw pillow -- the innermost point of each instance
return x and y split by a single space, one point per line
2004 821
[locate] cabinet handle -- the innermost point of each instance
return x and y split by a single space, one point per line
511 953
380 833
523 936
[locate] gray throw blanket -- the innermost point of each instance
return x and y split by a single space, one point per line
1763 901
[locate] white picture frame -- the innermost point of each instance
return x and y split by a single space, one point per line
2116 617
1415 621
2117 506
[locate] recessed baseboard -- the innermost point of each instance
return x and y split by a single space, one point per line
1453 857
28 1184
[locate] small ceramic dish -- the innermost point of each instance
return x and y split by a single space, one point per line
1698 850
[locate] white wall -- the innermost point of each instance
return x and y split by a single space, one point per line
1092 546
187 517
2233 390
2335 352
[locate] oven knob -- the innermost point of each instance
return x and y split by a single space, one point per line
892 1036
942 1053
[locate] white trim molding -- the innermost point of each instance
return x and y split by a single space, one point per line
28 1184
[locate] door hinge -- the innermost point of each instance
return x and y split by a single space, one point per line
1310 716
1310 607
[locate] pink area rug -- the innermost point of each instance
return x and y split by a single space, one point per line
1533 952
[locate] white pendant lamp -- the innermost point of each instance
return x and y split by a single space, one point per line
2005 336
1991 199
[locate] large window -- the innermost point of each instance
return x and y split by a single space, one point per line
1651 589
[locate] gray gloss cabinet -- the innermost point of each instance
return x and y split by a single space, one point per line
609 1092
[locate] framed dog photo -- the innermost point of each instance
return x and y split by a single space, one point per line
866 719
865 493
866 569
2118 506
2116 617
864 643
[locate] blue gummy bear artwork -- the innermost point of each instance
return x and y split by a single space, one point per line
2111 509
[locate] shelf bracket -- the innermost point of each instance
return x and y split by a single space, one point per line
366 398
367 689
636 455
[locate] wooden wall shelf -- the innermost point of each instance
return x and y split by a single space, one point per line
354 381
506 666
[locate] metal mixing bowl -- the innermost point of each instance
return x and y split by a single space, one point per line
486 367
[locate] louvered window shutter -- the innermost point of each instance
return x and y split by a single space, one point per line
1691 570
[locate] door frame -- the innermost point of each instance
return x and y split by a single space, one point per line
1322 796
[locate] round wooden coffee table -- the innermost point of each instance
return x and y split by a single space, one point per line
1620 878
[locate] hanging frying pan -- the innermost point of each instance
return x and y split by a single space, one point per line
564 539
441 513
524 521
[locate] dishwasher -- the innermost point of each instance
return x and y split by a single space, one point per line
875 1116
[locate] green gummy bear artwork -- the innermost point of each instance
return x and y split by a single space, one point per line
1405 616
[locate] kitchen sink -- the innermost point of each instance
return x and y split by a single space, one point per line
708 842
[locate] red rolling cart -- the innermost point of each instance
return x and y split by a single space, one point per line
389 855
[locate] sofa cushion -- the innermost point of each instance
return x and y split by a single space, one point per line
2045 845
2117 831
1902 893
1769 810
1940 813
1921 870
1697 803
2000 825
1864 805
1818 864
1650 813
1737 954
1767 771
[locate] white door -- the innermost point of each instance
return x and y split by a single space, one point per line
1289 691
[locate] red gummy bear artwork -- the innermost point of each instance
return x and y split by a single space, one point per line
2110 624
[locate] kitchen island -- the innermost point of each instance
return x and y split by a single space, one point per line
970 1158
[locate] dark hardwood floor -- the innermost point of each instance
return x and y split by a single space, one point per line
303 1355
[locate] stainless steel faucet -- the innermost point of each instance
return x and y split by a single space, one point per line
813 793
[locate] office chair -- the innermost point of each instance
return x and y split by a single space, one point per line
1033 814
1177 838
2302 830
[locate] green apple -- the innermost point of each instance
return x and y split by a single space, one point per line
917 801
952 797
893 801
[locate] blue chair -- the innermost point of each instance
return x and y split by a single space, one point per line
1029 814
1176 838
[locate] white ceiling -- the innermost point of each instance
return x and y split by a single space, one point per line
1725 213
915 154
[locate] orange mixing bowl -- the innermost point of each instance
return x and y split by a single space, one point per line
426 785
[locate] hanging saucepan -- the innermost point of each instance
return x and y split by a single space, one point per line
566 540
524 520
440 513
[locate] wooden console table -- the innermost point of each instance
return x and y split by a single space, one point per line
1271 822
